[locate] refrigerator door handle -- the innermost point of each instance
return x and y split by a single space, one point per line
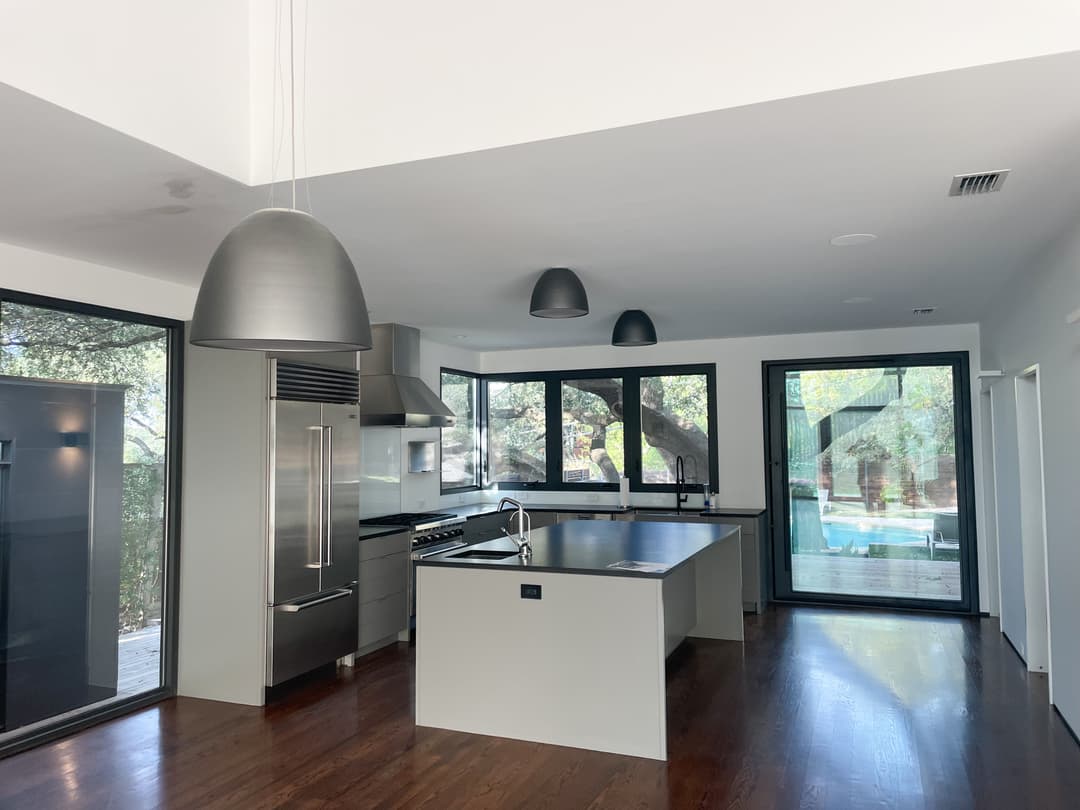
297 607
322 492
328 483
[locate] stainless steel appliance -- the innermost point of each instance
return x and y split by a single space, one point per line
431 533
394 394
314 502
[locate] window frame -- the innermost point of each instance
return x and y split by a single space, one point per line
553 380
67 724
478 454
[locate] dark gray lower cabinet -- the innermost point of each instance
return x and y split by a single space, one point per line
485 527
382 588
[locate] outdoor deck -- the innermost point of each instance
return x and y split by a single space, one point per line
876 576
140 661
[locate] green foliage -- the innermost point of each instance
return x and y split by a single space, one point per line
592 433
517 431
901 419
674 419
459 442
57 345
140 561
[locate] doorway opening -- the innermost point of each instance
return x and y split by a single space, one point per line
990 521
1033 522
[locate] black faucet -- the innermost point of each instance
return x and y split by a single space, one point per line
680 482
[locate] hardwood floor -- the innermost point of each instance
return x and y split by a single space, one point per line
822 708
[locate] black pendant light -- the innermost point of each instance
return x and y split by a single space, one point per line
559 294
634 328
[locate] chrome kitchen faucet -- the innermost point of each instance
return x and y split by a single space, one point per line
524 535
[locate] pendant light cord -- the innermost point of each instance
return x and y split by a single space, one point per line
292 100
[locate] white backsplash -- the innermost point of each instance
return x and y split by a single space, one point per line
386 485
380 471
419 491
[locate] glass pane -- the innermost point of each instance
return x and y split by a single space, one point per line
516 431
459 442
674 422
592 430
871 457
82 474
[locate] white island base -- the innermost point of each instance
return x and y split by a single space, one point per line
584 665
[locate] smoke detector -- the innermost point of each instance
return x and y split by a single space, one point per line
922 312
965 185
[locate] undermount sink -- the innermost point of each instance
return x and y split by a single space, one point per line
484 554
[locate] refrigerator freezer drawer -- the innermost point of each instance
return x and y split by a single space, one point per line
309 633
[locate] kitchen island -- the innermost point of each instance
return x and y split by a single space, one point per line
568 647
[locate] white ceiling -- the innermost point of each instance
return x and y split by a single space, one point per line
717 224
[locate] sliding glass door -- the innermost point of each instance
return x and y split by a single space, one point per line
870 469
87 448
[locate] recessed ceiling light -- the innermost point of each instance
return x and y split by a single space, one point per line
852 239
858 299
461 337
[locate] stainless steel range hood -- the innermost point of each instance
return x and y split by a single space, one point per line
391 391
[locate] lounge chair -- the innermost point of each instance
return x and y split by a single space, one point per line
945 535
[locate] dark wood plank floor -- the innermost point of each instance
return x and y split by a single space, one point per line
821 708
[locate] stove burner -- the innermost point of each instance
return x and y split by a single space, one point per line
406 519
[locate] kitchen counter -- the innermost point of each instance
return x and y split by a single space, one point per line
732 511
469 510
592 547
489 508
561 648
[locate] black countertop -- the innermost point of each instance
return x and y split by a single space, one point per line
733 511
590 547
469 510
367 532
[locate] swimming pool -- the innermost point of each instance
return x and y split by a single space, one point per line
839 535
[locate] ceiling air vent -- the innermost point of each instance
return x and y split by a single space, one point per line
920 312
964 185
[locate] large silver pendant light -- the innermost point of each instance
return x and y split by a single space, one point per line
559 293
280 281
634 328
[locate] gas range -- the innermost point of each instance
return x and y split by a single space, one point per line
427 528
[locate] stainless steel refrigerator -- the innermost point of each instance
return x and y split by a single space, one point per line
314 506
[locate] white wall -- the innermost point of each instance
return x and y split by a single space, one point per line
31 271
389 82
172 74
222 599
740 439
1025 326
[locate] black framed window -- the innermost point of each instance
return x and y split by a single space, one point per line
516 429
593 430
460 390
586 428
675 422
90 419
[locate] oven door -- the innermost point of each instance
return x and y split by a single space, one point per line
419 554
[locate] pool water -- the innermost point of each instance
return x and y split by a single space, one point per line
839 535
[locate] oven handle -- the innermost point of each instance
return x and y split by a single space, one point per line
419 555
